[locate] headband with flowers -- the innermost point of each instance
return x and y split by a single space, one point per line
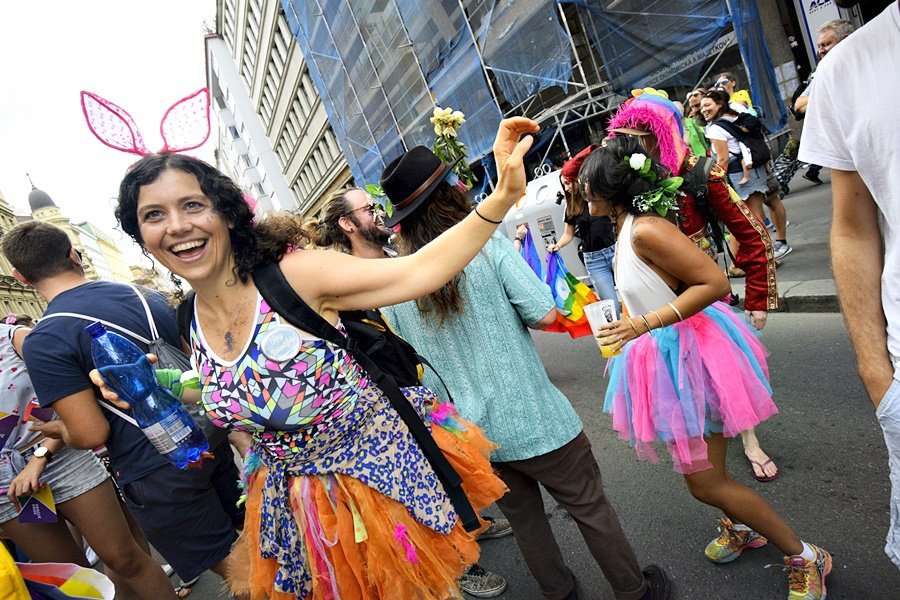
663 197
10 319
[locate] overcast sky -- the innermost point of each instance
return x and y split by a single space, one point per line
142 56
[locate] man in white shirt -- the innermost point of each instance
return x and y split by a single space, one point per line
847 129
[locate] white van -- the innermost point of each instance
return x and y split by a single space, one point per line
543 209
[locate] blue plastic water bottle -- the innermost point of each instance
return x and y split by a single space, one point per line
160 415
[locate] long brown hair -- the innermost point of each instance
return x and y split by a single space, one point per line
326 231
574 202
447 206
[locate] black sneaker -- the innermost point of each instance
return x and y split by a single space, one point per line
813 177
658 585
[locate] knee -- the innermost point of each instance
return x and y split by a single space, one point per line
705 492
126 562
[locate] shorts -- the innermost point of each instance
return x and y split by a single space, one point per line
888 414
757 183
190 516
70 473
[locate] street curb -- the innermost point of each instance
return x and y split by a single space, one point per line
816 296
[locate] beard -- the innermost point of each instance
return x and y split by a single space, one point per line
373 233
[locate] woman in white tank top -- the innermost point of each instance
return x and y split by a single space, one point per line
690 374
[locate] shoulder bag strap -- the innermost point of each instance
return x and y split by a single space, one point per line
154 333
184 315
106 324
282 298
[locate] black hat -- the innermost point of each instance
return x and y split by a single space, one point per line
410 179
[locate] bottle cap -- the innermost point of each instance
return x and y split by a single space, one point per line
95 330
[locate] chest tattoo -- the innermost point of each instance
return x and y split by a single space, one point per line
229 341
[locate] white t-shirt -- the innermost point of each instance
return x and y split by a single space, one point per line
850 126
717 132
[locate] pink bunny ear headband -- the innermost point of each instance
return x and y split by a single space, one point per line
184 126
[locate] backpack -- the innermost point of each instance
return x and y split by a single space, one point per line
749 131
695 180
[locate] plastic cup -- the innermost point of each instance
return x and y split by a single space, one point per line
599 314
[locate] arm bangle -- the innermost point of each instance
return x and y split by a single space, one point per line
656 314
677 312
644 319
484 218
630 322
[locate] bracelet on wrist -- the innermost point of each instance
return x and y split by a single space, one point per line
484 218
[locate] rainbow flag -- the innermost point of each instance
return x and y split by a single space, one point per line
570 296
530 254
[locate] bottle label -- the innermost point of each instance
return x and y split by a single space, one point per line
166 434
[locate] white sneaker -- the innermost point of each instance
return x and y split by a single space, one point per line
91 556
782 249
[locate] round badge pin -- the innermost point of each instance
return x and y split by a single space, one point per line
280 343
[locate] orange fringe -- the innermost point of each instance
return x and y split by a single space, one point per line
377 567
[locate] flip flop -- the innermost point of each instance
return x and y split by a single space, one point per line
185 586
764 478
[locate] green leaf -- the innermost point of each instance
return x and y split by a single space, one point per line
374 190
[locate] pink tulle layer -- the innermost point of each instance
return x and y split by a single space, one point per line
707 374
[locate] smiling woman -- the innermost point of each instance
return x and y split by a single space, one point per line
331 458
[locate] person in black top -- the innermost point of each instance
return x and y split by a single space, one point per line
597 234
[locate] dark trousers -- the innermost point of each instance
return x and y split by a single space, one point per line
571 475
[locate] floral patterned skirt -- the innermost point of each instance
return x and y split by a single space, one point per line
353 540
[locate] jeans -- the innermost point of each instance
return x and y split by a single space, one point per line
888 414
600 267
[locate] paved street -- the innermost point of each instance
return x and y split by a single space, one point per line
833 489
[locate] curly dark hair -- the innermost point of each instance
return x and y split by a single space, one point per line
447 206
608 174
252 244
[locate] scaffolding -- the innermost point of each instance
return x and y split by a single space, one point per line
381 66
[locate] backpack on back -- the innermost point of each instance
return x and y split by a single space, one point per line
749 131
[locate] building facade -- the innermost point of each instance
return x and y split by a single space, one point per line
274 134
15 297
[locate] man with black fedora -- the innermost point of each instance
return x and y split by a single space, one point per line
474 330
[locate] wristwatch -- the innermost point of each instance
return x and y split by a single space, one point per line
43 452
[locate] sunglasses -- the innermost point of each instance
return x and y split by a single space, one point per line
722 82
372 208
77 253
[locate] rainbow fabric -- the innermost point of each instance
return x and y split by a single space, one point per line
652 112
530 254
570 296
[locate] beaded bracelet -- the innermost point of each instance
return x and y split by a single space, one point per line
677 312
485 218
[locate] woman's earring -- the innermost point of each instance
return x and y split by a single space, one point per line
614 216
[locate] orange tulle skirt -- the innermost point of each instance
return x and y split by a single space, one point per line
373 548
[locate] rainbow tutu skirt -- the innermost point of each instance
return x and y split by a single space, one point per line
707 374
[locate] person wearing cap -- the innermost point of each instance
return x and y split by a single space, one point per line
656 123
597 237
474 330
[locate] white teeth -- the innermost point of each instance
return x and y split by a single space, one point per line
187 246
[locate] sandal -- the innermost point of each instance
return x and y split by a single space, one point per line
763 478
735 273
183 589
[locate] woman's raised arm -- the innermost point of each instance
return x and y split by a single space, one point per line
331 281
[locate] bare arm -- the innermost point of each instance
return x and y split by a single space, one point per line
546 321
801 104
721 149
677 260
332 281
857 257
83 425
567 236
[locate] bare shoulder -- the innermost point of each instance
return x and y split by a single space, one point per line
651 228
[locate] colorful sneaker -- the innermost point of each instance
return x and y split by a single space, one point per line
498 528
806 579
478 582
732 542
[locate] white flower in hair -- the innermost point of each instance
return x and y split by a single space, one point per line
637 161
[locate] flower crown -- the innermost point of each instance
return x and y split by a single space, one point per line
10 319
661 198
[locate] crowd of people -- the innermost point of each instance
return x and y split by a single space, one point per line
360 484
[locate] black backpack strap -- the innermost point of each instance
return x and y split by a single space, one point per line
731 128
281 297
184 315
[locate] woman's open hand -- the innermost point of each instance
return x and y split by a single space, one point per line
509 153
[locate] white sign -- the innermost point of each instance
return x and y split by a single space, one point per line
688 60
